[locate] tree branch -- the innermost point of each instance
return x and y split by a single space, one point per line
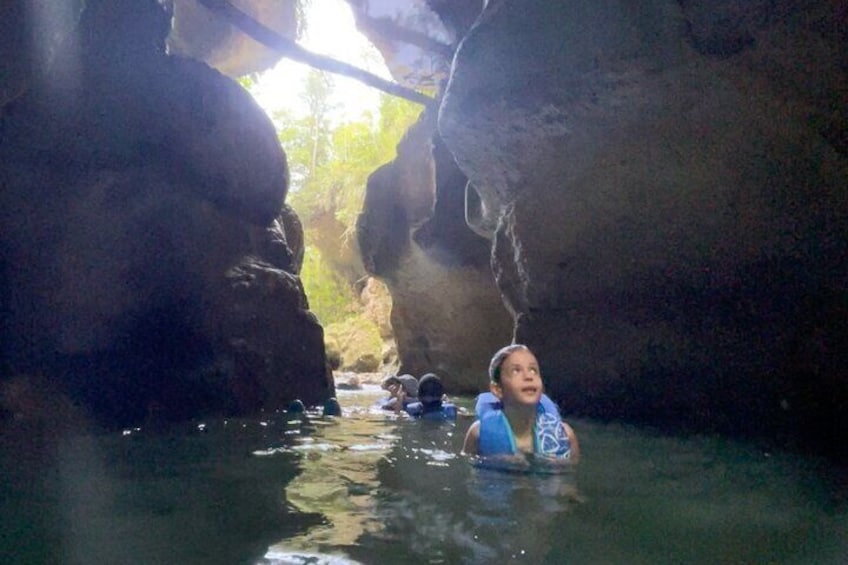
288 48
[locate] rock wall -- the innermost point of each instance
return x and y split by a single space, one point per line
667 183
148 262
198 33
651 195
447 315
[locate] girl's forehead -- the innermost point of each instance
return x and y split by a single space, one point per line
521 356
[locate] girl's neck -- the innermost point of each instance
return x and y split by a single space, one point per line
522 419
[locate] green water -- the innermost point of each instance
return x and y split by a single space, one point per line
371 488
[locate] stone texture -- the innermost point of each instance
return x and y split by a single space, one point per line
261 322
377 306
412 39
204 36
446 314
659 186
671 216
281 242
147 261
30 35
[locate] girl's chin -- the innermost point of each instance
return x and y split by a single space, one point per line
528 401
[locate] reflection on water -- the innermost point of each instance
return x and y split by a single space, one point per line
375 488
338 479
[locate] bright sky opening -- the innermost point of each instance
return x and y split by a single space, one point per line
330 31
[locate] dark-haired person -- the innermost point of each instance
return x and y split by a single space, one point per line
520 421
432 403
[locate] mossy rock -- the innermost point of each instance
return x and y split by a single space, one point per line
368 363
358 343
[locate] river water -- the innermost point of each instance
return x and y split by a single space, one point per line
373 488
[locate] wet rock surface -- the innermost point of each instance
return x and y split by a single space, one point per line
148 265
671 219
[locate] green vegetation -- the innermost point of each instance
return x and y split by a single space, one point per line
357 340
328 293
329 164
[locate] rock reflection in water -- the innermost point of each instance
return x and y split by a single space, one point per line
338 461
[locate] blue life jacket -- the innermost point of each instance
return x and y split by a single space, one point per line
447 411
496 437
488 401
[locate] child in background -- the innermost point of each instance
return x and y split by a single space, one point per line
432 403
520 423
402 390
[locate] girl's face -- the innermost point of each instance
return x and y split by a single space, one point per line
520 380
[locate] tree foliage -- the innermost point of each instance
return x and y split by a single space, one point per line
345 155
329 164
329 295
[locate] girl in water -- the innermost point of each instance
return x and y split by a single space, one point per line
521 420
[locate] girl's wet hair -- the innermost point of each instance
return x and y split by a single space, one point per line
499 357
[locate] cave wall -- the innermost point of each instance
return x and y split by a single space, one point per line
447 314
198 33
667 185
652 196
149 264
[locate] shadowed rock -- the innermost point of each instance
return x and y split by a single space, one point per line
446 314
144 259
672 231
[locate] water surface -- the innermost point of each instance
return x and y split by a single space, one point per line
374 488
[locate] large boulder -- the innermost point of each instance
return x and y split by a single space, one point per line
669 203
148 263
413 40
201 34
447 315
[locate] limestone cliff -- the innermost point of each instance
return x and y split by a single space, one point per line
148 262
652 195
447 315
668 188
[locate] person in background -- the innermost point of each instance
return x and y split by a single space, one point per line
403 390
432 403
332 407
520 422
